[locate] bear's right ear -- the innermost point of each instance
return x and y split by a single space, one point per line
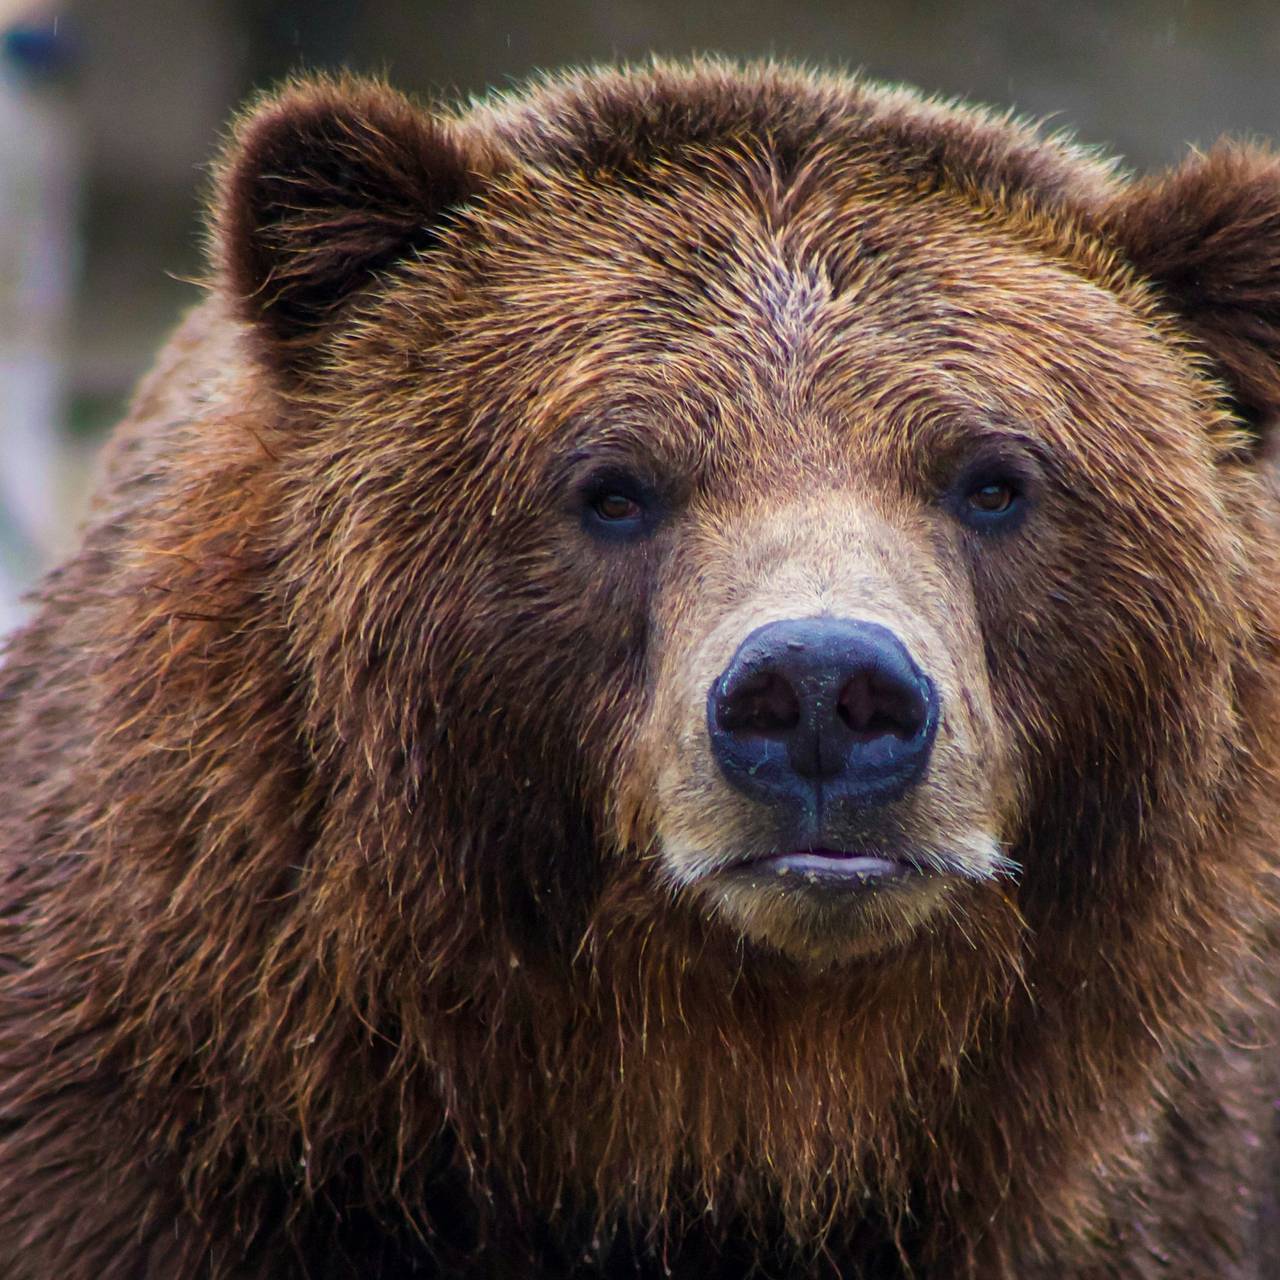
1207 235
324 185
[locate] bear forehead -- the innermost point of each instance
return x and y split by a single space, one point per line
727 239
719 274
690 166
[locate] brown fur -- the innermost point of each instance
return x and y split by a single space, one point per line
356 808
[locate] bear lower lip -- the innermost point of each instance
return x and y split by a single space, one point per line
835 868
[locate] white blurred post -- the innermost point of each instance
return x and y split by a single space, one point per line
37 249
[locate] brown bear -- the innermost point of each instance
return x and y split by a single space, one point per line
675 675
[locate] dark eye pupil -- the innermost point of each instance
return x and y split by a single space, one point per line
996 496
617 506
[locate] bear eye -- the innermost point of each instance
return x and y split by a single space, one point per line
617 506
992 498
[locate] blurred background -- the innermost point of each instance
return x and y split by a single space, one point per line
111 109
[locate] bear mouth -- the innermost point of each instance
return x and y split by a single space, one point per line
843 869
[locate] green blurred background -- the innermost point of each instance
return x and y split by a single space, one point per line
130 97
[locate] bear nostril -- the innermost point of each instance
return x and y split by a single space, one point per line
763 703
873 706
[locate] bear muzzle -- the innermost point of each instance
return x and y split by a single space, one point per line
825 721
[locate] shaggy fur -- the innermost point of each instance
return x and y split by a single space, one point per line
358 833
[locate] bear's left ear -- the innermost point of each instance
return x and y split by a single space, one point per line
325 184
1208 235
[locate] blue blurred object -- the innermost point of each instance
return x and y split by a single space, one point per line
41 48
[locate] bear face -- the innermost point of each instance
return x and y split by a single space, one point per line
677 667
797 389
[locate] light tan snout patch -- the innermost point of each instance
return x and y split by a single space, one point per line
742 854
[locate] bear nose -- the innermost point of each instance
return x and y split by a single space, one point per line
830 705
